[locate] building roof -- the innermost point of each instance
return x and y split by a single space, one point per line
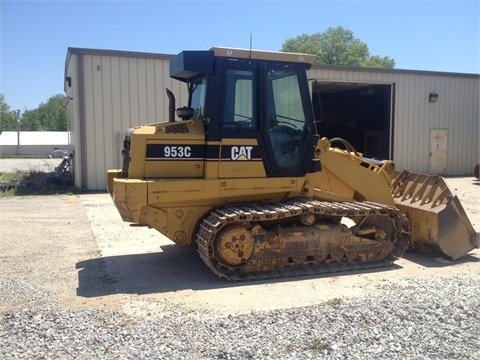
163 56
35 138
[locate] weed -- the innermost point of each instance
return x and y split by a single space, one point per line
20 183
290 347
334 302
7 193
11 176
319 345
367 319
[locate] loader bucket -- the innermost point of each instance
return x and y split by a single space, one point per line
438 220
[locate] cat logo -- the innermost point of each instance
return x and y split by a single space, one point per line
241 153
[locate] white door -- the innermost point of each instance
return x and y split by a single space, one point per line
438 151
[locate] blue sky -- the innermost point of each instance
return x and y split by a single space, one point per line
34 35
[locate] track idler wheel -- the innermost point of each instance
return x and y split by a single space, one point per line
381 229
234 245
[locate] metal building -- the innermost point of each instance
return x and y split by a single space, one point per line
109 92
425 121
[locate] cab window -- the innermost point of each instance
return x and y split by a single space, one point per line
238 111
197 99
285 117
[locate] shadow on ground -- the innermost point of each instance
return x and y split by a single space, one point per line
179 268
176 268
434 260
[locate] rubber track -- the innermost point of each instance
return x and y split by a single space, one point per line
291 208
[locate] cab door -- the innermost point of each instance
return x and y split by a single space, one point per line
288 128
240 154
266 120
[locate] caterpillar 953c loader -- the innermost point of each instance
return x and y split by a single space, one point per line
244 176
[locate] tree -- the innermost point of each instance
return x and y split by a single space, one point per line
8 118
30 121
379 62
49 116
337 46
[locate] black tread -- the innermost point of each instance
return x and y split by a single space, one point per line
291 208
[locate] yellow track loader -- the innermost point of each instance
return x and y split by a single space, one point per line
244 176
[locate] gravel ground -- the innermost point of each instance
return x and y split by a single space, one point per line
422 319
78 283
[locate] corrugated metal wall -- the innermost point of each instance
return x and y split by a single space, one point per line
116 91
73 113
457 111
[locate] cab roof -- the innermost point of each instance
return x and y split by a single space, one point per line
263 55
190 64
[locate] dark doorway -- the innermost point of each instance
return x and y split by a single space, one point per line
358 113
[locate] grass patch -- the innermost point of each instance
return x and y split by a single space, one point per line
319 345
22 183
333 302
11 176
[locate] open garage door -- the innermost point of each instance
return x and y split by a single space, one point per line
360 113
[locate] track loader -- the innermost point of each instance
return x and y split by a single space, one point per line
244 176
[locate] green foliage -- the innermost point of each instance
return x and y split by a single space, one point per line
11 176
30 121
319 345
379 62
337 46
334 302
35 183
49 116
8 121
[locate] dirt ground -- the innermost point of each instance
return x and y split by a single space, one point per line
79 250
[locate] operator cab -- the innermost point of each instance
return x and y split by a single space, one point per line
245 94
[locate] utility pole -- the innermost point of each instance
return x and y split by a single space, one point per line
17 117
